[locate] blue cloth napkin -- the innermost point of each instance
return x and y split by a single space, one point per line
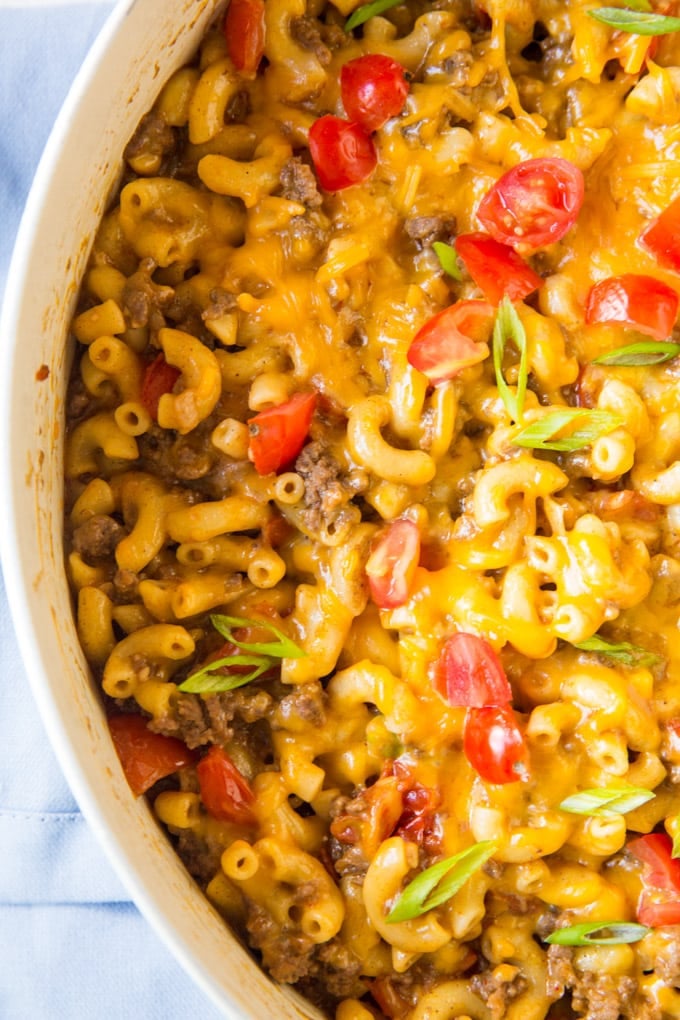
72 945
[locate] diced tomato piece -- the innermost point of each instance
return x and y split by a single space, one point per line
225 792
469 674
145 756
392 563
643 302
659 902
533 204
373 89
494 745
496 268
661 238
244 29
159 378
278 433
342 153
452 340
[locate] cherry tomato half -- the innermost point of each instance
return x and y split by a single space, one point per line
225 793
277 434
392 563
534 203
146 757
469 674
493 744
244 30
661 238
634 300
159 378
496 268
659 903
452 340
342 153
373 89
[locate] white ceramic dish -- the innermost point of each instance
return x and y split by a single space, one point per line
140 46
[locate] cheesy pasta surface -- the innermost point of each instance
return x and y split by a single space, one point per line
373 502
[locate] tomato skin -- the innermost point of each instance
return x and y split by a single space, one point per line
533 204
373 89
634 300
159 378
342 153
145 756
278 433
225 793
469 674
447 343
244 30
661 238
659 902
496 268
493 744
392 563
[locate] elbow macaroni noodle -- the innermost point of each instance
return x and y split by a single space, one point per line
224 284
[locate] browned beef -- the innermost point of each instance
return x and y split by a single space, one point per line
125 585
153 137
306 702
201 856
593 996
424 230
307 34
98 537
221 302
286 953
298 184
145 302
497 993
324 490
199 720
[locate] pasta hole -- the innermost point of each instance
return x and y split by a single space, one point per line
295 913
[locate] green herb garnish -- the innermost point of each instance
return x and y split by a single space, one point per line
645 352
447 259
543 434
613 934
637 22
261 655
607 800
440 882
508 326
363 13
621 651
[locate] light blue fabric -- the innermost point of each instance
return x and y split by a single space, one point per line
72 946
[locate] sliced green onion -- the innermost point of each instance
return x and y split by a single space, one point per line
261 655
613 934
362 14
645 352
673 824
447 259
637 22
621 651
208 681
508 326
440 882
607 800
282 648
541 434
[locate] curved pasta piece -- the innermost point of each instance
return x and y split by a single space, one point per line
201 378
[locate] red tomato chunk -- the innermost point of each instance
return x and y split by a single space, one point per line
278 434
244 29
225 792
469 674
159 378
496 268
643 302
452 340
662 237
342 153
373 89
145 756
493 744
533 204
391 566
